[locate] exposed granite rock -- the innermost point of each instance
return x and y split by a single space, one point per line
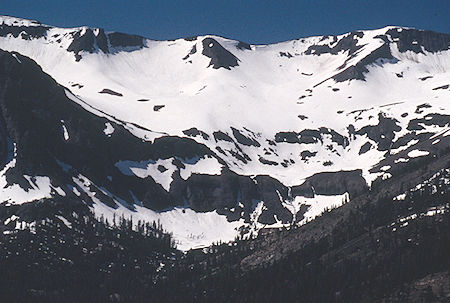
110 92
271 191
194 132
268 162
220 57
193 38
286 54
442 87
125 40
332 183
356 72
306 154
365 148
191 52
90 41
82 42
240 138
102 41
311 136
288 137
383 133
414 40
243 46
347 43
221 136
419 108
430 119
26 32
405 139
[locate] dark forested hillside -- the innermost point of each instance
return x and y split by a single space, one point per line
85 259
394 249
377 254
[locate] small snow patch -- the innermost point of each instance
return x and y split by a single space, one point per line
316 205
143 169
109 129
40 188
17 59
386 176
401 160
65 132
400 197
208 166
64 220
76 191
10 219
417 153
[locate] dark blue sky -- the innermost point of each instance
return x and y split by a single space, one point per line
250 21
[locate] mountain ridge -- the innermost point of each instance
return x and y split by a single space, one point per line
12 20
208 127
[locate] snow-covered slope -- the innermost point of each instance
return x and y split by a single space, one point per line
256 121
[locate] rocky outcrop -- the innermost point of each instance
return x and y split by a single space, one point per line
430 119
220 57
89 40
408 39
383 133
332 183
26 32
347 43
357 71
311 136
117 39
82 41
244 140
233 195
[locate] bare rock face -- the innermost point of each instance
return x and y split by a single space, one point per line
207 193
357 71
25 32
406 40
414 40
383 133
233 195
332 183
311 136
430 119
349 42
117 39
82 42
91 41
220 57
272 192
